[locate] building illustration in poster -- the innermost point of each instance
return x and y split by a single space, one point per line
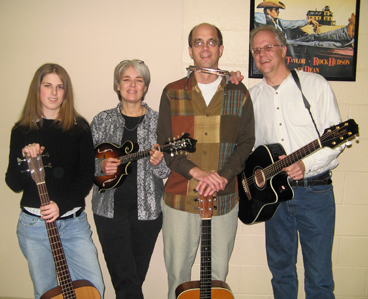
317 40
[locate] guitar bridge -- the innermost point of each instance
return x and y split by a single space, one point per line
245 186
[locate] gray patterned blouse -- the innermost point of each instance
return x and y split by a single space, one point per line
107 126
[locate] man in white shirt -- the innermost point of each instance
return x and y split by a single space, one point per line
281 117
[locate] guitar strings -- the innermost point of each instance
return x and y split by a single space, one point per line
277 167
54 237
141 154
205 275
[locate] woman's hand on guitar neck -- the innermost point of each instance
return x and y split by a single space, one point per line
156 155
110 165
50 212
32 150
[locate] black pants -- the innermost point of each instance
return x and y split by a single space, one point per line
127 244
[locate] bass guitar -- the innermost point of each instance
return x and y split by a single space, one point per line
67 289
127 153
263 185
206 288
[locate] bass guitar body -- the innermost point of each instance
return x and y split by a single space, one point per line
83 289
191 290
267 194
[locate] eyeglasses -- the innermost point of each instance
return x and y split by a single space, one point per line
200 42
266 48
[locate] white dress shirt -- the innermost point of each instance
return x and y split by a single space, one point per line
281 117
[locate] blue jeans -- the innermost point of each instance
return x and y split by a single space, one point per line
311 214
80 252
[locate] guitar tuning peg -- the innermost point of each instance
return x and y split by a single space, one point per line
45 155
348 143
169 139
19 161
182 133
356 138
48 165
23 171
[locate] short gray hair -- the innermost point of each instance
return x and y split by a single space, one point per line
278 34
139 66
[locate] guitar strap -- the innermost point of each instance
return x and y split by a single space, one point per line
306 103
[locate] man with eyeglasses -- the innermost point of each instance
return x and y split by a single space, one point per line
337 38
220 116
282 117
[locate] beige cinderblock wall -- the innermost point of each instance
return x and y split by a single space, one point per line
89 38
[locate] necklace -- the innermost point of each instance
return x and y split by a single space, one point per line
139 121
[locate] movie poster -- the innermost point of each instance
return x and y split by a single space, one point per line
322 36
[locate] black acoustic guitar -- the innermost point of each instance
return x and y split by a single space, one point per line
263 185
128 153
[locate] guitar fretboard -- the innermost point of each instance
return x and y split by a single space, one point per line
138 155
61 266
277 167
206 273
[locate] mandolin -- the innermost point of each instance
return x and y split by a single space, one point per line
205 288
127 153
67 289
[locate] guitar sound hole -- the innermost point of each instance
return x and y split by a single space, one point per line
259 178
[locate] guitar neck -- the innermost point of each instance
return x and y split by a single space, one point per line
206 270
296 156
61 265
138 155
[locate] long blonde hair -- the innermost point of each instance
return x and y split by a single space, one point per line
32 116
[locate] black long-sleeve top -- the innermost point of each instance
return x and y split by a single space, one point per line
72 159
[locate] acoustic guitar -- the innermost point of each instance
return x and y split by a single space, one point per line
205 288
128 153
263 185
67 289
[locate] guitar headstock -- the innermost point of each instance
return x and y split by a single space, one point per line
339 134
182 144
36 168
206 206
